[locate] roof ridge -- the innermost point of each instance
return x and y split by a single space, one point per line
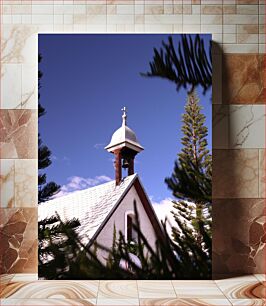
85 190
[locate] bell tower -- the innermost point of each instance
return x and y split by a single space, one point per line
125 146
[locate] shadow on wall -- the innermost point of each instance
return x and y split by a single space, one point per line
239 212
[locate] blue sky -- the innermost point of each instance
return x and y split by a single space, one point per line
86 81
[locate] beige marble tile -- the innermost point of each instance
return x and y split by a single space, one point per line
206 301
163 19
155 289
19 44
211 19
262 170
260 277
247 9
248 302
4 280
29 86
18 230
238 246
18 130
43 9
26 182
96 9
247 38
242 287
246 126
117 302
24 277
10 85
184 302
243 76
220 127
118 289
216 78
50 302
235 173
7 180
211 9
248 29
197 289
240 49
51 290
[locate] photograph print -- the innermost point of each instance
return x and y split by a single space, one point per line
124 156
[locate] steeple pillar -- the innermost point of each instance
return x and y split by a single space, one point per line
118 167
131 166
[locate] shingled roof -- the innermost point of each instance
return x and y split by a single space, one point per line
90 206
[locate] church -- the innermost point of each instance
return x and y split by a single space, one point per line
102 208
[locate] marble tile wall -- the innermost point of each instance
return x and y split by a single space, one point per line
238 29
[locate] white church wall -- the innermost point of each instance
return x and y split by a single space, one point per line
105 237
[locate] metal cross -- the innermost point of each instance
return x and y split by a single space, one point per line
124 109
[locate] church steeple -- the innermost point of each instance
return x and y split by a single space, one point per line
125 146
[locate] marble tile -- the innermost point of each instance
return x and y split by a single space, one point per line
243 78
217 71
260 277
117 302
247 29
247 1
235 173
196 289
220 127
126 289
156 289
51 290
242 49
24 277
241 288
29 86
18 233
5 279
19 44
10 85
52 302
26 182
262 171
184 302
247 126
18 129
239 246
7 180
248 302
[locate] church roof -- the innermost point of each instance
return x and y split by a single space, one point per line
90 206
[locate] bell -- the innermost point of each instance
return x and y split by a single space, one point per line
125 163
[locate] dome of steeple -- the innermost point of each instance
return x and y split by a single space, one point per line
124 137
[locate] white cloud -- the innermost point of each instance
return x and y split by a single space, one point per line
98 145
163 210
79 183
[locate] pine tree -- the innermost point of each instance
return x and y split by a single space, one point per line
190 182
189 64
45 190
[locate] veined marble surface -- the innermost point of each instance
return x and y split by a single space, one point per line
23 289
238 126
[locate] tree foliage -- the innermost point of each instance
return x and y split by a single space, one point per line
45 189
71 259
186 64
191 179
191 183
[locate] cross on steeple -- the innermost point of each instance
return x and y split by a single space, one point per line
124 116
